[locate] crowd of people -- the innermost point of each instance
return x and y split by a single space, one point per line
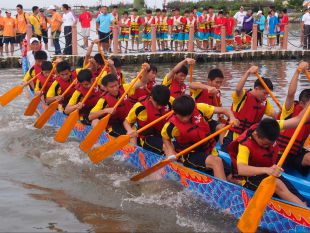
172 28
253 141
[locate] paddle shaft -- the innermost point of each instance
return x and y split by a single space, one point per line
93 85
126 91
189 149
268 90
48 78
293 138
28 82
154 122
307 74
190 73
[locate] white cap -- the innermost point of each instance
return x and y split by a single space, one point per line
51 7
34 39
259 12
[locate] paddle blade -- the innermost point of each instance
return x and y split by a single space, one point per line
253 213
65 130
151 170
10 95
43 118
102 152
32 106
94 134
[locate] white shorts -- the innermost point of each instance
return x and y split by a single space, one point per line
85 32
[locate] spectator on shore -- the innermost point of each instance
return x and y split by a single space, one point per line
1 34
272 29
103 24
44 29
239 16
35 45
260 21
68 21
305 27
135 22
9 27
34 20
248 22
22 20
55 21
85 18
282 23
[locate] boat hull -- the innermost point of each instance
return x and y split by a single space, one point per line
279 216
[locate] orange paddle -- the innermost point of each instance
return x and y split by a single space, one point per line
253 213
269 91
102 152
32 106
163 163
63 133
95 133
14 92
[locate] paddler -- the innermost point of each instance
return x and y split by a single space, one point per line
107 101
144 112
254 155
209 93
175 79
84 83
148 82
39 57
249 106
299 157
188 125
46 69
62 81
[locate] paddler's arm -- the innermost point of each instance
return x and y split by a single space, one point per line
201 86
167 133
294 121
289 102
52 94
112 67
74 103
175 69
244 169
242 81
89 51
144 80
100 109
130 120
228 113
131 132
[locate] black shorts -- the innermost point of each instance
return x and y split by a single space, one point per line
117 129
294 162
19 37
253 182
153 143
1 41
104 37
44 36
9 40
196 160
227 140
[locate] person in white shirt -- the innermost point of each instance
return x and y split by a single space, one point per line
35 45
239 18
305 27
68 21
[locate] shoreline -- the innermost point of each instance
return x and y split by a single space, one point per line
173 57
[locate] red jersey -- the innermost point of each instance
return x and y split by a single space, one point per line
230 24
283 22
85 19
219 22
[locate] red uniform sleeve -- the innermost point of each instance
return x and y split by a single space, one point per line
153 21
183 20
129 21
170 21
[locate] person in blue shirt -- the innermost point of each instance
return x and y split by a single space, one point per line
260 21
272 29
103 27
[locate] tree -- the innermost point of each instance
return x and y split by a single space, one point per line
138 4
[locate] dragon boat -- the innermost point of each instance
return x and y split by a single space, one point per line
280 216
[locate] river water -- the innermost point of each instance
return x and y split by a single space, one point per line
51 187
